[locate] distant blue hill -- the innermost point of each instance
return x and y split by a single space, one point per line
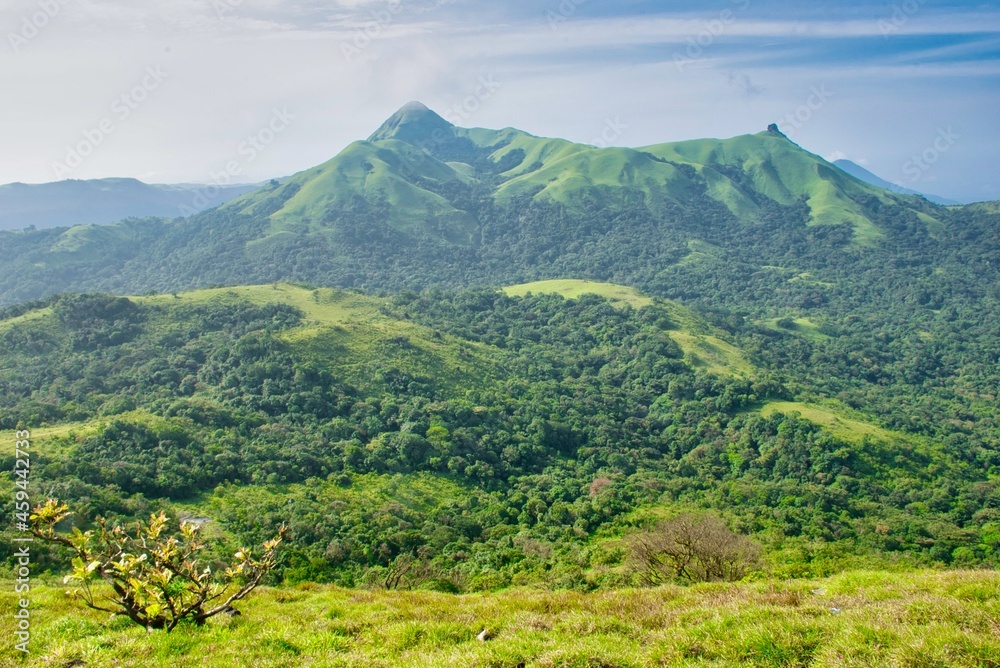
100 201
859 172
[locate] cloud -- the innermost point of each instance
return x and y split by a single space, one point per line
742 82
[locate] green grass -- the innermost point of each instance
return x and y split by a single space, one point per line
722 189
90 243
375 172
862 619
618 295
782 171
936 228
808 278
37 314
804 327
712 354
702 348
992 206
536 149
43 438
87 238
53 439
420 492
701 252
840 426
325 306
571 177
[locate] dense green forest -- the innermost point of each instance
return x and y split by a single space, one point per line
481 439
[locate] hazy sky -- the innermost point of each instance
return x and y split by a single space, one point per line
186 90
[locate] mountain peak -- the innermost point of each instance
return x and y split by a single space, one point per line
773 129
414 123
413 106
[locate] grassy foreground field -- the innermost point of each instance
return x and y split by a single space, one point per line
872 619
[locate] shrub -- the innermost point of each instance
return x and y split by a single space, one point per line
156 579
692 548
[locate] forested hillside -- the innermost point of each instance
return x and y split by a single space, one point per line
490 439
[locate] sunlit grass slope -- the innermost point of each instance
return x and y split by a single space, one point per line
701 344
841 426
781 170
569 288
383 172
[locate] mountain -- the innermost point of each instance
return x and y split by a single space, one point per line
100 201
416 156
424 202
860 172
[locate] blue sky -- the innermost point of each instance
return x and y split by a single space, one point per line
184 90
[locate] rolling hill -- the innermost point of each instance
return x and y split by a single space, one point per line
736 173
103 201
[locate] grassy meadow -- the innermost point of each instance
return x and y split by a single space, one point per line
916 619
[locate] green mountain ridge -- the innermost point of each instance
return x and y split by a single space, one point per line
474 206
736 172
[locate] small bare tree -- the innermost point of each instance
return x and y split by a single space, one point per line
155 579
406 571
692 548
